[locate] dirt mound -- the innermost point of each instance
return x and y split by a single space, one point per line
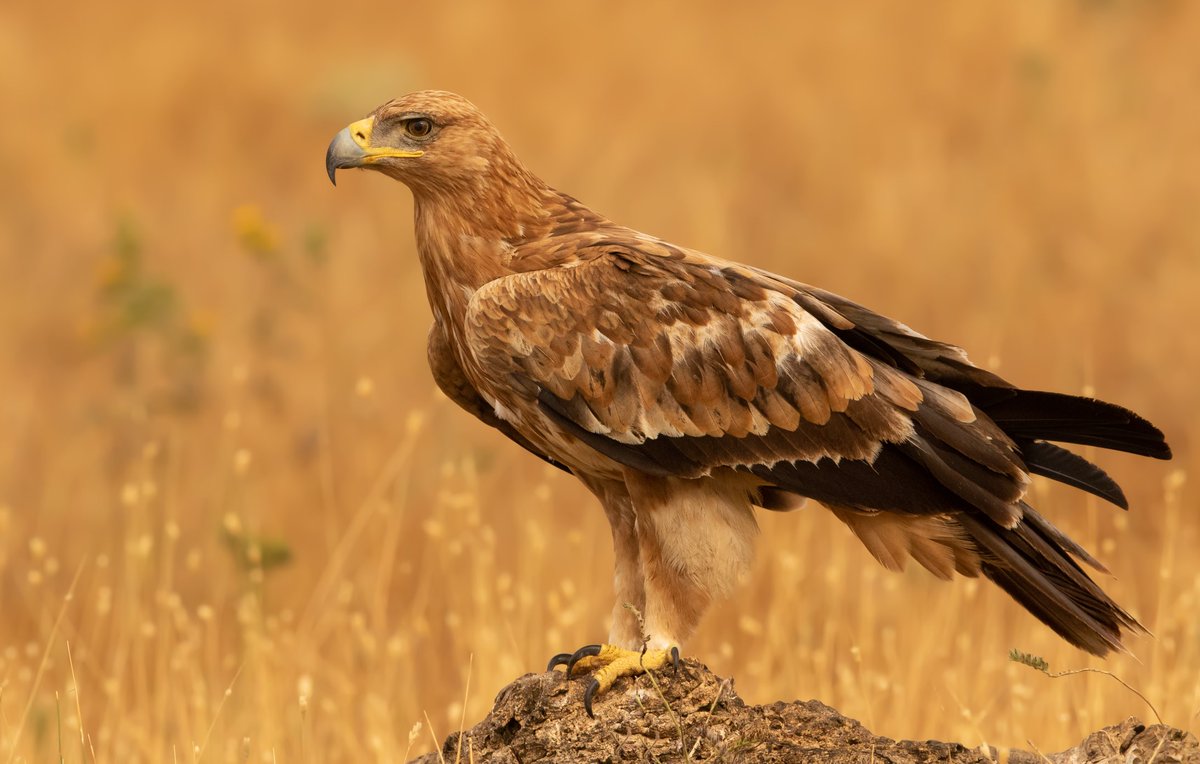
697 716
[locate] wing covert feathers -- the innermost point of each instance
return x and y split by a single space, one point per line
448 375
681 365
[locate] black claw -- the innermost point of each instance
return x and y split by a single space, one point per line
558 660
592 687
675 659
583 652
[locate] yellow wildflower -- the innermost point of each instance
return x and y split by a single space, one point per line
259 237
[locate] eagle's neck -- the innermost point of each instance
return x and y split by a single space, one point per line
466 236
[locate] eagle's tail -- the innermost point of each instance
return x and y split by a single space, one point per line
1032 562
1033 417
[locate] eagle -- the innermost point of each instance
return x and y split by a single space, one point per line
684 391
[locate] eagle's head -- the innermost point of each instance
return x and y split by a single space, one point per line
430 140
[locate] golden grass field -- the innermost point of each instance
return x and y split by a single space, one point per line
211 360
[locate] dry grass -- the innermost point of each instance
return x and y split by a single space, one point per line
193 394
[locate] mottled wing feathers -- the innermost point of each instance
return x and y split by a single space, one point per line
678 364
1025 415
888 340
454 384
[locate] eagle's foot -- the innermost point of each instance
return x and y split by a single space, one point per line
607 663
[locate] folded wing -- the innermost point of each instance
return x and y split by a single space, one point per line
685 366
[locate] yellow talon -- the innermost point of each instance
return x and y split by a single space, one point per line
607 663
586 665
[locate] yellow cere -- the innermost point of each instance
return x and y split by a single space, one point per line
360 132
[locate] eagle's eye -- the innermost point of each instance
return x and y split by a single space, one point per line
418 127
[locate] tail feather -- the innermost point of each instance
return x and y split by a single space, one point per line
1048 460
1038 415
1030 563
1050 531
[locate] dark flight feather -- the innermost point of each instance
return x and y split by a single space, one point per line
1036 414
1036 571
1049 460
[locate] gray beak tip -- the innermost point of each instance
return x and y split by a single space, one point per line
342 152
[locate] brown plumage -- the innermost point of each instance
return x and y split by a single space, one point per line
683 390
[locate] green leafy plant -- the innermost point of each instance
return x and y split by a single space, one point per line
141 318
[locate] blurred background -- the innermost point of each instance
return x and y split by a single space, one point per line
237 523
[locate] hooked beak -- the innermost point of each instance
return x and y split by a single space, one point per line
351 147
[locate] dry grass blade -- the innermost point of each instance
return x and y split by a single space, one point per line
37 680
462 719
199 753
83 745
1039 664
437 742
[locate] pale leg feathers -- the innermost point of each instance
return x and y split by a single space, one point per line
627 566
695 541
